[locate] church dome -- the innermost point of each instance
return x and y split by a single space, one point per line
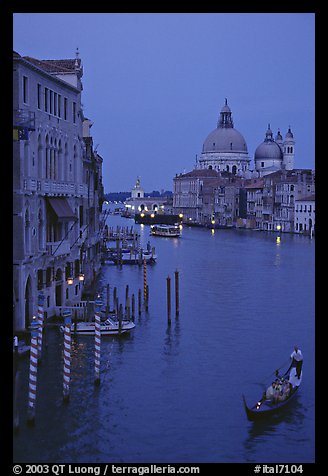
269 149
225 138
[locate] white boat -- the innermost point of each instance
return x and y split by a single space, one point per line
108 327
130 256
172 231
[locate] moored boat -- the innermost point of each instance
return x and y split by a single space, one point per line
171 231
107 327
266 407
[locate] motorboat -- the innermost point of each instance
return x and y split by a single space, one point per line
107 327
171 231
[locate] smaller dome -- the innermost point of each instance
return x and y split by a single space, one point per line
268 150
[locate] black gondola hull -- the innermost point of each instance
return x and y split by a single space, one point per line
266 411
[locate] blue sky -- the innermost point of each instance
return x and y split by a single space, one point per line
154 83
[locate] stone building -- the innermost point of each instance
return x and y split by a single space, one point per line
138 203
305 215
57 190
207 197
280 191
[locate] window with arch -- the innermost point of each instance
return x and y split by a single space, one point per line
40 174
27 231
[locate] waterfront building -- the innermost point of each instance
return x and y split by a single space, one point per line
305 215
225 148
187 190
280 191
207 197
254 199
57 191
138 203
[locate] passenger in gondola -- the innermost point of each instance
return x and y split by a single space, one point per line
285 391
297 361
269 395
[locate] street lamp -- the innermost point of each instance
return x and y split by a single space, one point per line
70 280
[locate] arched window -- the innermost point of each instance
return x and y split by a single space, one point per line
40 230
234 169
40 162
75 163
51 159
66 164
47 154
55 173
60 161
27 232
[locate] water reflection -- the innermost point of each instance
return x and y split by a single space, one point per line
172 339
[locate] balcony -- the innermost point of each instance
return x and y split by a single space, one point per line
58 248
24 119
54 187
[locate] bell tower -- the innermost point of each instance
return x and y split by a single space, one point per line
288 150
137 191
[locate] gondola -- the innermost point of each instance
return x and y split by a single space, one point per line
265 408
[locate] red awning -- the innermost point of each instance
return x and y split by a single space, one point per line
61 208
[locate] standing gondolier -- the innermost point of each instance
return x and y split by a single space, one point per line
297 360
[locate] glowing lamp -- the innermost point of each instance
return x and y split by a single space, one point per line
70 280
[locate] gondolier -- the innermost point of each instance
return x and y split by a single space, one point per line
297 360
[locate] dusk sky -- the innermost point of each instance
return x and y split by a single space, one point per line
154 83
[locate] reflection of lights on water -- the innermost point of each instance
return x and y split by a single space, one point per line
213 231
278 240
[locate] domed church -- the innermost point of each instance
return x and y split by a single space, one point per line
225 148
272 155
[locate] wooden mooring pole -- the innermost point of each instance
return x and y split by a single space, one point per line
177 310
168 289
33 371
16 387
67 353
139 302
98 304
40 321
145 279
133 307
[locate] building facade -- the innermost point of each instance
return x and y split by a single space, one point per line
305 215
54 193
207 197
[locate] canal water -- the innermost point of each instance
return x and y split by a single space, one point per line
173 394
